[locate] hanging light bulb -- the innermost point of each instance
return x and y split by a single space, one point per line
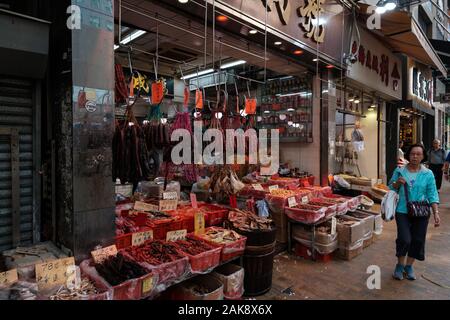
163 120
219 115
130 124
183 1
356 100
197 114
351 98
282 117
259 118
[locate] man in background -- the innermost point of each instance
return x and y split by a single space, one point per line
436 159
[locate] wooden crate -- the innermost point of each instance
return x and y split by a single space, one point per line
280 220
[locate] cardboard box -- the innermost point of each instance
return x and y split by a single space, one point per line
366 219
378 219
367 241
349 233
348 252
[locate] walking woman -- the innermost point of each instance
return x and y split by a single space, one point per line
411 231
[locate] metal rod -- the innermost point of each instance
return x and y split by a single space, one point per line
265 46
120 21
206 35
444 27
214 35
157 49
163 22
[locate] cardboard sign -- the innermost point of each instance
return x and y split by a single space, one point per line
258 187
333 225
102 254
56 272
157 92
147 285
142 206
271 188
91 95
250 106
199 223
172 195
167 205
305 200
292 202
176 235
8 277
139 238
198 99
194 201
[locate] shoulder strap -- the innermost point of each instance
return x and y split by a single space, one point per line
406 192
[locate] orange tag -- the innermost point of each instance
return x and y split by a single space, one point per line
186 96
250 106
132 87
198 99
157 92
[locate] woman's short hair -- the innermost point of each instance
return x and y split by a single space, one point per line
417 145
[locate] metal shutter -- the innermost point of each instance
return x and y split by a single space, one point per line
16 114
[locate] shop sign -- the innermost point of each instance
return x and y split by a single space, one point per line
8 277
271 188
421 86
176 235
375 66
139 238
101 255
258 187
56 272
292 202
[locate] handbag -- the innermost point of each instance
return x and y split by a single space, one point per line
417 209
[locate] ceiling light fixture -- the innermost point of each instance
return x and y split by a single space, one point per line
298 52
183 1
200 73
222 18
278 43
390 5
253 31
315 59
380 10
357 100
233 64
351 98
133 36
329 66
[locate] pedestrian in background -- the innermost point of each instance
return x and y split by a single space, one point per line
412 231
446 167
401 161
436 160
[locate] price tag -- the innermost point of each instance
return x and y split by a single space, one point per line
305 200
142 206
198 99
157 92
176 235
292 202
8 277
139 238
199 223
258 187
194 201
102 254
333 225
172 195
147 285
56 272
271 188
250 106
167 205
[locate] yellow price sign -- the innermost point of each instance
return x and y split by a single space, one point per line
199 223
55 272
8 277
147 285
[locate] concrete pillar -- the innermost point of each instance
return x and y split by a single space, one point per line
85 192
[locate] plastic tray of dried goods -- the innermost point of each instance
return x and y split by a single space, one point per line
305 213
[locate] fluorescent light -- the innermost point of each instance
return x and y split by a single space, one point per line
325 91
303 94
380 10
277 43
116 47
290 109
267 111
253 31
315 59
233 64
390 5
132 36
200 73
183 1
285 78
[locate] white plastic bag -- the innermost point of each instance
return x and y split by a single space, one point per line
358 146
389 205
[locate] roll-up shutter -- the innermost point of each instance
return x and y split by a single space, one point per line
16 143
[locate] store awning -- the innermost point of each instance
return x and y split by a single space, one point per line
443 50
402 33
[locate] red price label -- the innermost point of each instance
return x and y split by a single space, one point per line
194 200
157 92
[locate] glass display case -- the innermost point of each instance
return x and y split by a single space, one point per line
286 104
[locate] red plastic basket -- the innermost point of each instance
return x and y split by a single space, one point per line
123 241
215 215
304 215
205 260
305 252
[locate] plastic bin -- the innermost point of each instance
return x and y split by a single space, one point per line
129 290
206 260
305 215
215 216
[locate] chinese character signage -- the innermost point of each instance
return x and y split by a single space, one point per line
420 84
312 24
375 66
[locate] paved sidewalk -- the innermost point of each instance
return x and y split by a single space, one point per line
347 279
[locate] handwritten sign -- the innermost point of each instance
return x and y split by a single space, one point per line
176 235
271 188
305 200
198 99
157 92
8 277
147 285
250 106
199 223
258 187
139 238
194 201
102 254
56 272
142 206
292 202
172 195
167 205
333 225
